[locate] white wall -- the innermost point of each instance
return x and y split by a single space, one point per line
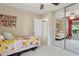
25 21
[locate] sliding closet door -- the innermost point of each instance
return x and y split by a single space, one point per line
72 18
59 28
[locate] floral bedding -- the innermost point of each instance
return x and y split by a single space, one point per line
8 47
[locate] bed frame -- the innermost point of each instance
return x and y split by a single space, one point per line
19 53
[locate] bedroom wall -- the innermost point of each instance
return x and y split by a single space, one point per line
24 21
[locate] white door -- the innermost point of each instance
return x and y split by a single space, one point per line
38 28
45 31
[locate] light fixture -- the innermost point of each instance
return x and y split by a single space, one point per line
72 17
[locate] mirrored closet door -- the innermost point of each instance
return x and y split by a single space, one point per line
72 18
67 28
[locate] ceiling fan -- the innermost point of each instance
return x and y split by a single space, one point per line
42 5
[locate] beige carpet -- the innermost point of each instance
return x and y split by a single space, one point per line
49 51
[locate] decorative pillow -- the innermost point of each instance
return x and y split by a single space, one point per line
1 37
8 35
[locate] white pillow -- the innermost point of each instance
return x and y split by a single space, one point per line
8 35
1 37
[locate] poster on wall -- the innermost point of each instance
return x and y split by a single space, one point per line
8 20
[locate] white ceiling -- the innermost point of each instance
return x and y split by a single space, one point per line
35 7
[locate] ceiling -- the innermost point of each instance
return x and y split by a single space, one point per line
35 7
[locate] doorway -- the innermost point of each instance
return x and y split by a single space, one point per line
45 31
41 30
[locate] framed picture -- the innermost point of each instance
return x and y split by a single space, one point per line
8 20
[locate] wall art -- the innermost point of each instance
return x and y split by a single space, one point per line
8 20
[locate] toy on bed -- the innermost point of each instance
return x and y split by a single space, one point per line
12 45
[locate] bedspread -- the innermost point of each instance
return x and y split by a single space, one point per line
8 47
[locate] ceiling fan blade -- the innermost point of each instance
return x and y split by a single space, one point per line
56 3
41 6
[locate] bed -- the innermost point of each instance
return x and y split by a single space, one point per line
60 36
17 46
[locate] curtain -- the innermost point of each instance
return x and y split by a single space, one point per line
69 28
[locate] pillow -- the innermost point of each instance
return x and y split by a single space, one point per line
8 35
1 37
